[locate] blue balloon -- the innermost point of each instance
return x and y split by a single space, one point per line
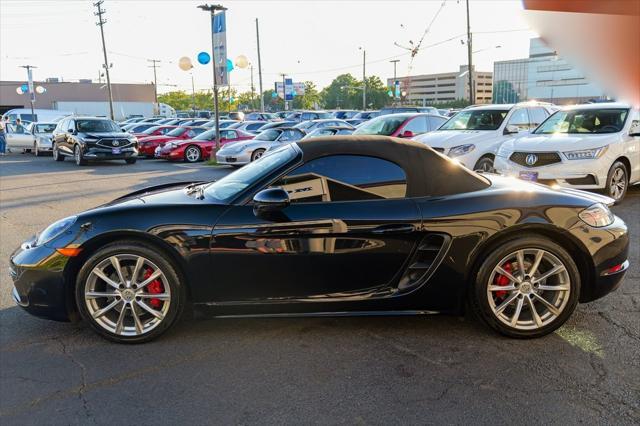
204 58
274 95
229 65
24 88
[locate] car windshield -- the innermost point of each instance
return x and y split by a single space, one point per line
268 135
481 119
305 124
208 135
150 130
45 128
384 125
97 126
606 120
177 131
231 185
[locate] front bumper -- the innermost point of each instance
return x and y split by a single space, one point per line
39 286
96 154
578 174
233 159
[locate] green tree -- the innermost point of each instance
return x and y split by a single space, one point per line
377 96
343 92
311 98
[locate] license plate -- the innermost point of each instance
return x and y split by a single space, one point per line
116 151
530 176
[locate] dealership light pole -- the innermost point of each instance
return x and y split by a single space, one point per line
101 23
259 68
155 81
32 93
364 78
212 9
470 54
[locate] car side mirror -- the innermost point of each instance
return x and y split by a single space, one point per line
511 129
71 130
406 134
635 128
270 200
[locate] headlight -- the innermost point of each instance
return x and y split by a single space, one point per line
503 151
597 215
55 229
461 150
586 154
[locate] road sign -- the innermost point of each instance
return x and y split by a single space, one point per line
219 27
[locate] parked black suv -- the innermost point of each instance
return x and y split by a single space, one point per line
92 139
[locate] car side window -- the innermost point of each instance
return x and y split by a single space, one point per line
417 125
196 132
435 122
345 178
254 126
537 115
520 119
232 134
71 124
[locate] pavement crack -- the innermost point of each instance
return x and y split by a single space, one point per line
83 379
619 326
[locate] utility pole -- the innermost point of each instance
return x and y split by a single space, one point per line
259 68
395 63
253 90
470 54
32 93
193 94
212 9
284 90
101 23
364 79
155 82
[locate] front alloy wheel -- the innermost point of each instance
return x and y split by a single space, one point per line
129 293
617 181
78 157
192 154
529 288
257 154
56 153
485 165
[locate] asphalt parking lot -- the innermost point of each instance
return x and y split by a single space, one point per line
381 370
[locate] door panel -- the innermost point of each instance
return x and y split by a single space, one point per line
312 250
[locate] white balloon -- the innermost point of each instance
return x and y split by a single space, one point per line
40 90
19 90
185 63
242 61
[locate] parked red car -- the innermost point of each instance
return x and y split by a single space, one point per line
159 130
147 145
201 147
403 125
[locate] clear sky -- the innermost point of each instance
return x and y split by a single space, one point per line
309 40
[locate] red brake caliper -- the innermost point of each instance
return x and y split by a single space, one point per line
503 281
154 287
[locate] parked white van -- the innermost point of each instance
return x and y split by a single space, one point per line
594 146
41 115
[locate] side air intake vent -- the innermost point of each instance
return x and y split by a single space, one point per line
424 262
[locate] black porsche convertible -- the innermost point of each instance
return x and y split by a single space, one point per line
342 225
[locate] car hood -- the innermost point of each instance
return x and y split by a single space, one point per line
558 142
451 138
248 144
99 135
156 138
165 194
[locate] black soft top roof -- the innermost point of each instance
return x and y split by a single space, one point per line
428 172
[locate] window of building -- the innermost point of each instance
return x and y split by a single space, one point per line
345 178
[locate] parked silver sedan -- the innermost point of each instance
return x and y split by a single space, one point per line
241 153
42 133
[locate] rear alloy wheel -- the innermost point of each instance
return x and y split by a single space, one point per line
485 165
36 152
257 154
129 293
56 153
526 288
617 181
77 156
192 154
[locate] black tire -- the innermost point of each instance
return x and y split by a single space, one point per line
177 289
478 297
257 154
485 164
78 157
131 160
617 181
56 154
196 154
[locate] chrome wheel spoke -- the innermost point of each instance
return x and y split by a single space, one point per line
536 263
548 305
506 303
136 320
534 313
159 296
553 271
136 270
510 287
110 306
105 278
516 315
99 294
120 323
115 262
554 287
499 269
149 309
520 257
151 278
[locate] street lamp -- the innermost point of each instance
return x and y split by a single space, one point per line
212 9
364 78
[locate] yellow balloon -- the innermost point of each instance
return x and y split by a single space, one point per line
185 63
242 61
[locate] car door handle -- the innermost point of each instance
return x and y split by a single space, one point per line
394 229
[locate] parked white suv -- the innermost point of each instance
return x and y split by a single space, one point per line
473 135
594 146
